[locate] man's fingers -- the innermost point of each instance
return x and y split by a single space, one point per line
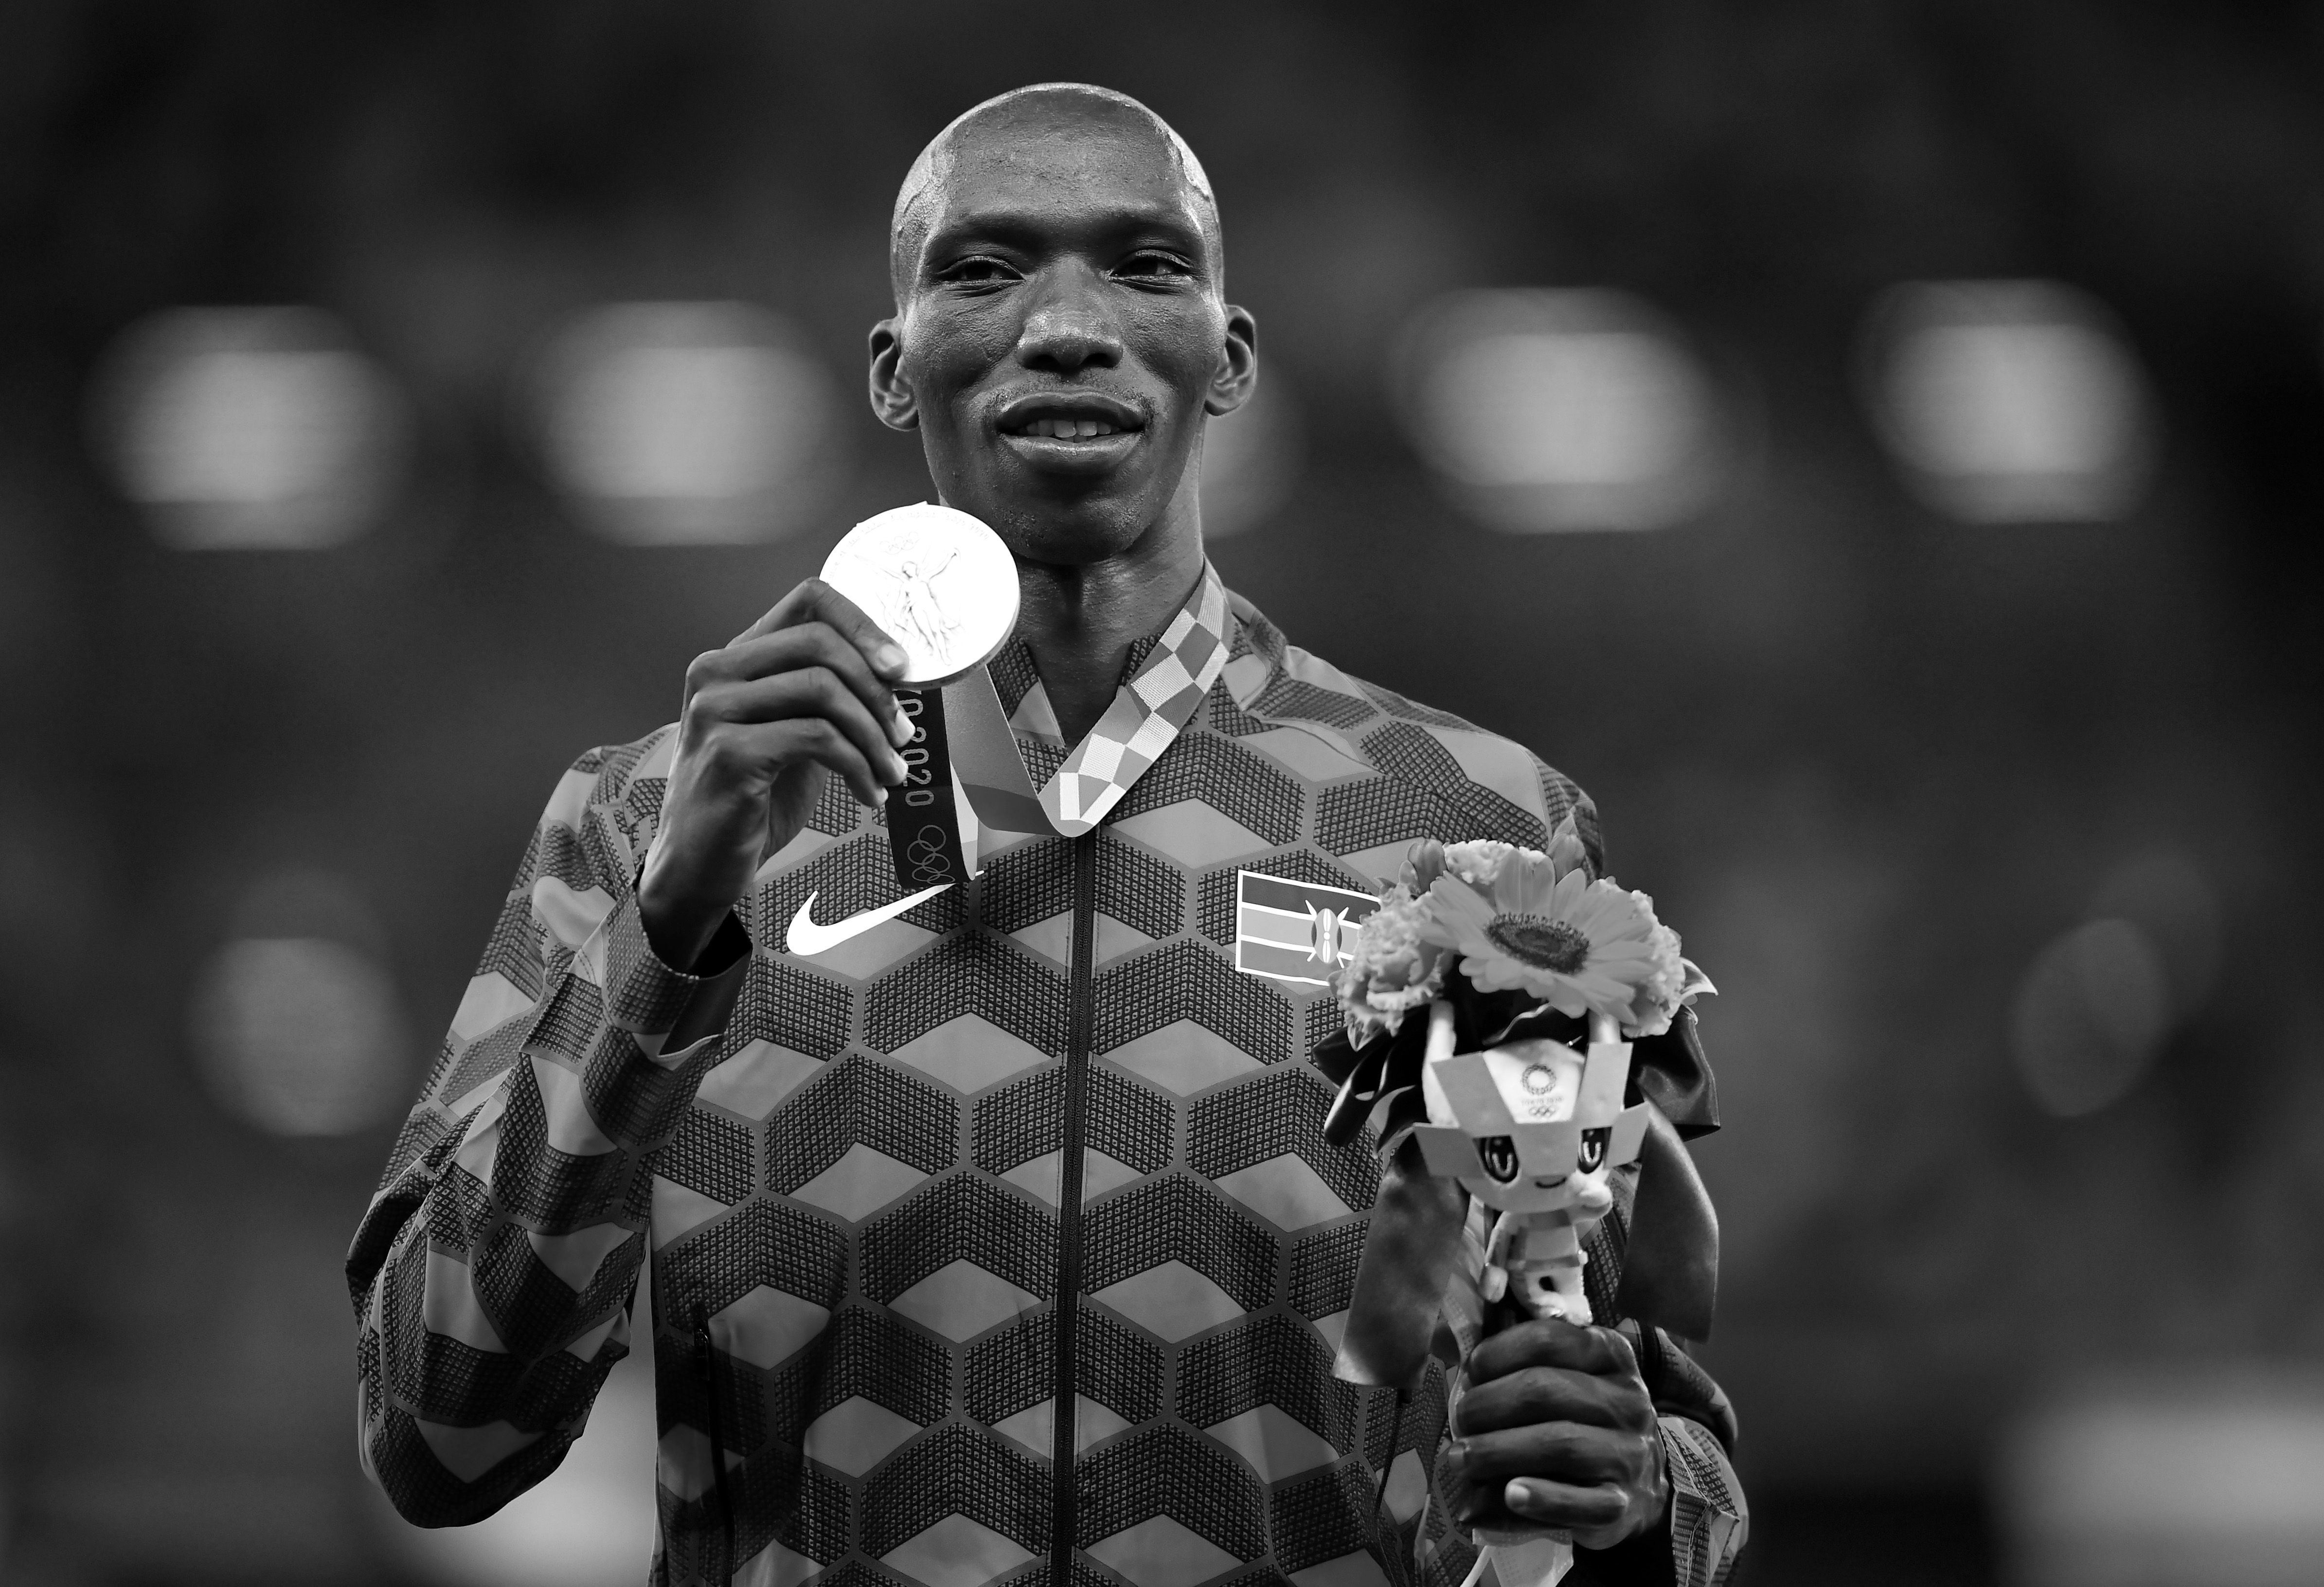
800 646
1563 1451
814 601
1555 1394
1552 1342
1561 1504
813 693
1588 1479
802 739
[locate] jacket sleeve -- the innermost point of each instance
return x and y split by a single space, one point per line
493 1270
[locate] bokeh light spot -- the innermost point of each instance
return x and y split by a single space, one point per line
1559 409
2009 402
250 429
2169 1476
301 1036
687 423
2089 1017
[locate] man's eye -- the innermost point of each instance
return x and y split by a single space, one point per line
978 272
1158 266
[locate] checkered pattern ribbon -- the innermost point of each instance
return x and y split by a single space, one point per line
1147 713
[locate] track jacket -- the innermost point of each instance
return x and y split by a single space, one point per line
864 1178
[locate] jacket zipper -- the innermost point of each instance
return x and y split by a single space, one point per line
706 1357
1081 1019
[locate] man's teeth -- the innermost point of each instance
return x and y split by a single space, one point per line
1069 429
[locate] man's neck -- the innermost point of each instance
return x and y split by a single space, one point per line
1081 621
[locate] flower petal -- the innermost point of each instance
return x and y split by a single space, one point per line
1452 899
1569 891
1527 886
1607 913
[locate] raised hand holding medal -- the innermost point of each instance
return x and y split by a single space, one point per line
809 691
944 587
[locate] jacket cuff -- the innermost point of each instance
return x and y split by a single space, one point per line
1709 1521
666 1012
1697 1543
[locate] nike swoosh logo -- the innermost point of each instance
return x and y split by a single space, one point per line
806 939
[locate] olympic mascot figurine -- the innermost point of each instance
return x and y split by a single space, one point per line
1494 1003
1531 1130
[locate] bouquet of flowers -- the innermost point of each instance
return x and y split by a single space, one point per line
1490 1006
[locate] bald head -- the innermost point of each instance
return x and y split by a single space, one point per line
1006 128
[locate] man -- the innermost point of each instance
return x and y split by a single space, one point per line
866 1176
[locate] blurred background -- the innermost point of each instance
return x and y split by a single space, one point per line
1873 446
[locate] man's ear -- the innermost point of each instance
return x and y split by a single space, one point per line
1237 375
891 400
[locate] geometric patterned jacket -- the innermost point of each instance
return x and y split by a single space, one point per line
863 1181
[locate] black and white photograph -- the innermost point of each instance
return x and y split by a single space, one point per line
1226 795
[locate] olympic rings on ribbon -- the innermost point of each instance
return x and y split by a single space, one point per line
927 852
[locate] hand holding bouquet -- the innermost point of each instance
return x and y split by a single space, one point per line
1490 1007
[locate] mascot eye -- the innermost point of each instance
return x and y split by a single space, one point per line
1500 1157
1593 1149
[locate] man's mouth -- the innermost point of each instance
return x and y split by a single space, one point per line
1068 429
1082 417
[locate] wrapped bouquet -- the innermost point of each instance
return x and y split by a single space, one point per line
1493 1003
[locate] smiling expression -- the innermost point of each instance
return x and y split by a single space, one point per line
1061 330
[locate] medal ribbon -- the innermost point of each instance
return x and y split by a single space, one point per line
924 826
965 740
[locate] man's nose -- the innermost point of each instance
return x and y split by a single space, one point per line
1070 326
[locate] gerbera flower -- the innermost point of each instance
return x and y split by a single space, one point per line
1549 931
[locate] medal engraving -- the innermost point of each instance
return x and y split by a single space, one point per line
916 609
939 581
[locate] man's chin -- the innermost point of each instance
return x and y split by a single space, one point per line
1065 522
1070 534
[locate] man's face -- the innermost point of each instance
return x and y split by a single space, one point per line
1062 333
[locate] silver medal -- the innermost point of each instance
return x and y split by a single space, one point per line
941 584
